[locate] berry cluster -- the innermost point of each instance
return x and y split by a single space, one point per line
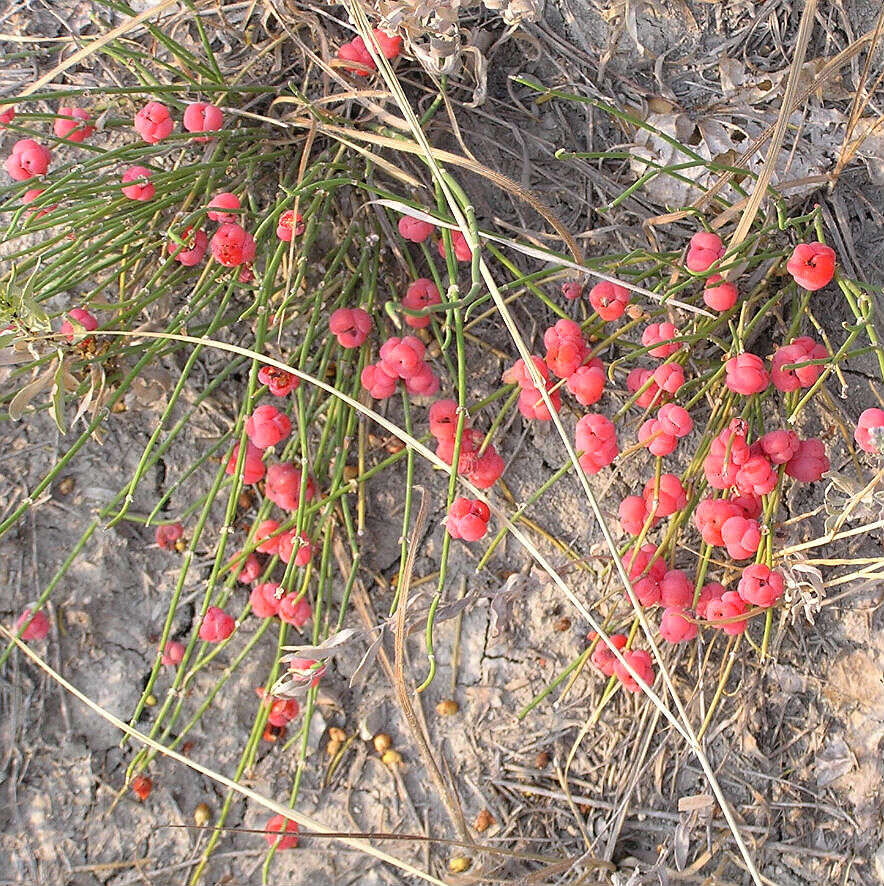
481 466
400 358
356 51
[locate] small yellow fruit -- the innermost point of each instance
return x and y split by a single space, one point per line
150 701
448 707
459 864
391 758
202 815
336 734
332 747
382 742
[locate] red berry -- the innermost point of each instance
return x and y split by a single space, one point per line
572 289
675 627
609 300
728 606
718 295
219 205
603 658
28 158
565 348
389 45
167 534
705 249
137 184
294 611
676 590
645 559
290 543
741 537
633 514
264 599
801 350
350 326
675 420
30 196
709 592
216 626
278 381
669 377
756 475
748 503
249 569
640 661
667 498
282 710
289 225
202 117
488 469
812 265
423 383
7 115
308 667
659 334
80 321
266 537
173 653
285 826
154 122
652 435
267 426
810 462
587 384
196 244
711 515
142 786
459 245
518 373
531 404
596 438
283 486
421 294
378 382
253 465
232 245
727 452
647 590
780 446
869 433
402 357
355 51
745 374
760 586
414 229
38 626
467 519
443 419
636 380
72 124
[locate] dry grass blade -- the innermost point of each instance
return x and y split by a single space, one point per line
452 806
302 820
805 29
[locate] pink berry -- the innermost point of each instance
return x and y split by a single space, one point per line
676 627
37 628
488 469
355 51
173 653
801 350
633 514
652 435
80 321
603 658
719 613
294 611
378 382
279 382
219 206
812 265
728 451
669 377
216 626
709 592
609 300
519 374
459 246
202 117
659 334
350 326
640 661
647 590
267 426
293 545
33 194
705 249
232 245
249 569
7 115
443 419
748 503
154 122
711 515
421 294
869 433
72 124
289 225
253 466
760 586
467 519
423 383
756 475
572 289
810 462
645 559
675 420
636 380
676 590
137 184
196 244
266 537
718 295
167 534
28 158
596 437
780 446
403 357
745 374
565 348
283 486
741 537
414 229
390 45
285 826
667 498
587 384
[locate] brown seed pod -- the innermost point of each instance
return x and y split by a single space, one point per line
484 820
202 815
336 734
448 707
